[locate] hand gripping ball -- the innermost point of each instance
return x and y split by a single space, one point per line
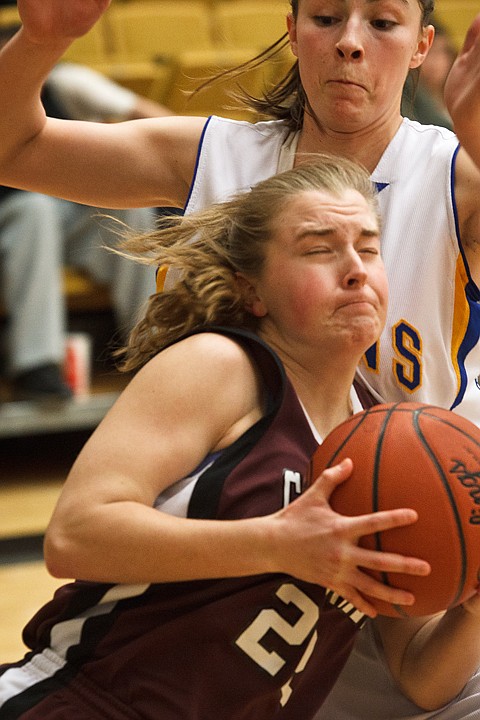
422 457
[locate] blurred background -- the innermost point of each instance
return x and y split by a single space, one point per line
158 51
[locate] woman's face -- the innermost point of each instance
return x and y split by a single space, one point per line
354 56
323 283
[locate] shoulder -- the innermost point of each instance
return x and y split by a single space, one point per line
241 135
221 350
428 132
232 156
204 361
417 154
221 346
426 141
240 132
209 381
265 127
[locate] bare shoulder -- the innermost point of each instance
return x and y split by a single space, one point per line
207 371
209 354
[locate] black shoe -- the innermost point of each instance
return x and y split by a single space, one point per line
44 382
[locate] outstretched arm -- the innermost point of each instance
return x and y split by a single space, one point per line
48 28
131 164
462 92
462 96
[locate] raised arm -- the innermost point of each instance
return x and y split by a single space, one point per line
138 163
462 96
462 92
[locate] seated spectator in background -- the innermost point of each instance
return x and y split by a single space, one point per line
425 102
85 94
40 234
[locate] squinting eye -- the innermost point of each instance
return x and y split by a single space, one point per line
317 251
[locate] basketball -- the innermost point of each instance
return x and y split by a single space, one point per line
422 457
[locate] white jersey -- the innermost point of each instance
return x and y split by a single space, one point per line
429 351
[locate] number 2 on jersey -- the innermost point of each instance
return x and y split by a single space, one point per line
269 620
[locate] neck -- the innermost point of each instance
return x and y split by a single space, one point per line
328 410
323 386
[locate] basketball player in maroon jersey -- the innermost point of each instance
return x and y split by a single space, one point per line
212 582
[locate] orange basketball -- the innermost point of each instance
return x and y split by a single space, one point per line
422 457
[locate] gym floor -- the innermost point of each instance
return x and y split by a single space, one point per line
32 471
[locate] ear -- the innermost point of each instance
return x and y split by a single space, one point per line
292 33
423 46
252 302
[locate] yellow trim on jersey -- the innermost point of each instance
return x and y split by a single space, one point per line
461 315
160 277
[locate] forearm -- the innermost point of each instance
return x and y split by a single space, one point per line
24 65
440 658
462 93
127 542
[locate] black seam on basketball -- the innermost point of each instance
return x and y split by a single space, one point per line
375 483
454 426
361 419
453 505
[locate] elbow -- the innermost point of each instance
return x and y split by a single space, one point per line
429 699
429 706
59 555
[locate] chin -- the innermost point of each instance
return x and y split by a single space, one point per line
364 335
346 117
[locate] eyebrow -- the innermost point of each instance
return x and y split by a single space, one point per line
323 232
406 3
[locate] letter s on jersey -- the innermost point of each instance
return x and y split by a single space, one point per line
407 343
407 365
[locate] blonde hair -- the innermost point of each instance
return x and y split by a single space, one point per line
210 247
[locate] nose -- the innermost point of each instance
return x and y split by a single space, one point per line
355 274
350 45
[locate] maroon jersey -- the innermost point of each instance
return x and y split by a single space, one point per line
253 648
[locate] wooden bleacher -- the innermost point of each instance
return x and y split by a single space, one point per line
457 16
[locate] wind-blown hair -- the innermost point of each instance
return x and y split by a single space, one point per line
207 249
286 100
